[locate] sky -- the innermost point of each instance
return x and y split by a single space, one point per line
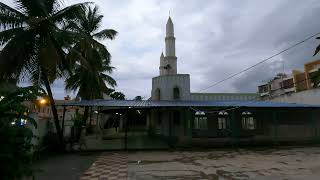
214 39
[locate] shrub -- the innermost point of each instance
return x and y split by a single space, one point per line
15 137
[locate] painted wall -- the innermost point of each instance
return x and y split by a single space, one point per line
311 96
167 83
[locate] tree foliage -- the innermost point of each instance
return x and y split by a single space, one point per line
117 95
90 58
33 42
15 138
315 79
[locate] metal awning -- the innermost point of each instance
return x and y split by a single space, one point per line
153 104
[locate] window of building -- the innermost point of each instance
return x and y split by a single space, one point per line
200 121
222 120
176 93
158 94
176 118
248 122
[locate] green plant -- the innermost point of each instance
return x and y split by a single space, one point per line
15 136
117 95
78 123
315 79
90 77
34 30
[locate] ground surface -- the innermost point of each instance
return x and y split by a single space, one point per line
64 167
294 163
288 163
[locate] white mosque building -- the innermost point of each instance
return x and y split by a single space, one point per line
170 85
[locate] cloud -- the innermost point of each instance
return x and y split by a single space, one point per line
214 39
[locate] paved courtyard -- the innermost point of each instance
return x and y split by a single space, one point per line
289 163
294 163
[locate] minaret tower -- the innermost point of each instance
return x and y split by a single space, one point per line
168 64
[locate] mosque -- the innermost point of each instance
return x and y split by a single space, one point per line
181 117
170 85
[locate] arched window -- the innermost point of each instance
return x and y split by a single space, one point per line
222 120
200 121
158 94
176 93
248 122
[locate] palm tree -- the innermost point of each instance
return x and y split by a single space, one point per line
91 59
117 95
33 42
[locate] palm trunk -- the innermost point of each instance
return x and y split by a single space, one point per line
54 110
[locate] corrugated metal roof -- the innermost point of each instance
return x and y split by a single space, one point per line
148 103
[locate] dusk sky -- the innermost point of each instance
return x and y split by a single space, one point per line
214 38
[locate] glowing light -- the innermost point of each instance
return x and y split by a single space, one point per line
13 123
42 101
23 121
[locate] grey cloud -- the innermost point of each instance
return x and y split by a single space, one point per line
214 39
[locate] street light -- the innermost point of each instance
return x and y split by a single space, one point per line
42 101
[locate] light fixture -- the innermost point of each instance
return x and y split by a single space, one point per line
96 112
42 101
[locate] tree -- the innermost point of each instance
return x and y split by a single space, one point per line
91 59
16 146
138 98
33 43
117 95
315 79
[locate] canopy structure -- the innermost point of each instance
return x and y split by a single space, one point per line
154 104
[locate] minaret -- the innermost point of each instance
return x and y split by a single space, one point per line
162 65
170 39
168 64
170 58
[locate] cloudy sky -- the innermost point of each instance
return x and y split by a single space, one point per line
214 38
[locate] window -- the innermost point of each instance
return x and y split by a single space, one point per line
176 93
200 121
176 118
222 120
248 122
158 94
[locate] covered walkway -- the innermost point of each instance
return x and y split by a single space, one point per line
129 124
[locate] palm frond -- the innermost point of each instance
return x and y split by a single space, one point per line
108 79
5 9
13 64
6 35
10 18
106 34
70 12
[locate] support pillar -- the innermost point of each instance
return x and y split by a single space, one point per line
63 117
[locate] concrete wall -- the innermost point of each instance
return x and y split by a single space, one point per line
167 83
311 96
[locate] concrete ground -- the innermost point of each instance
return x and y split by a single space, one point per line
293 163
64 167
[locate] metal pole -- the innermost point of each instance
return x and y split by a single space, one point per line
126 132
63 116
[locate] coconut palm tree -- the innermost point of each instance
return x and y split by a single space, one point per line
33 42
90 58
91 81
